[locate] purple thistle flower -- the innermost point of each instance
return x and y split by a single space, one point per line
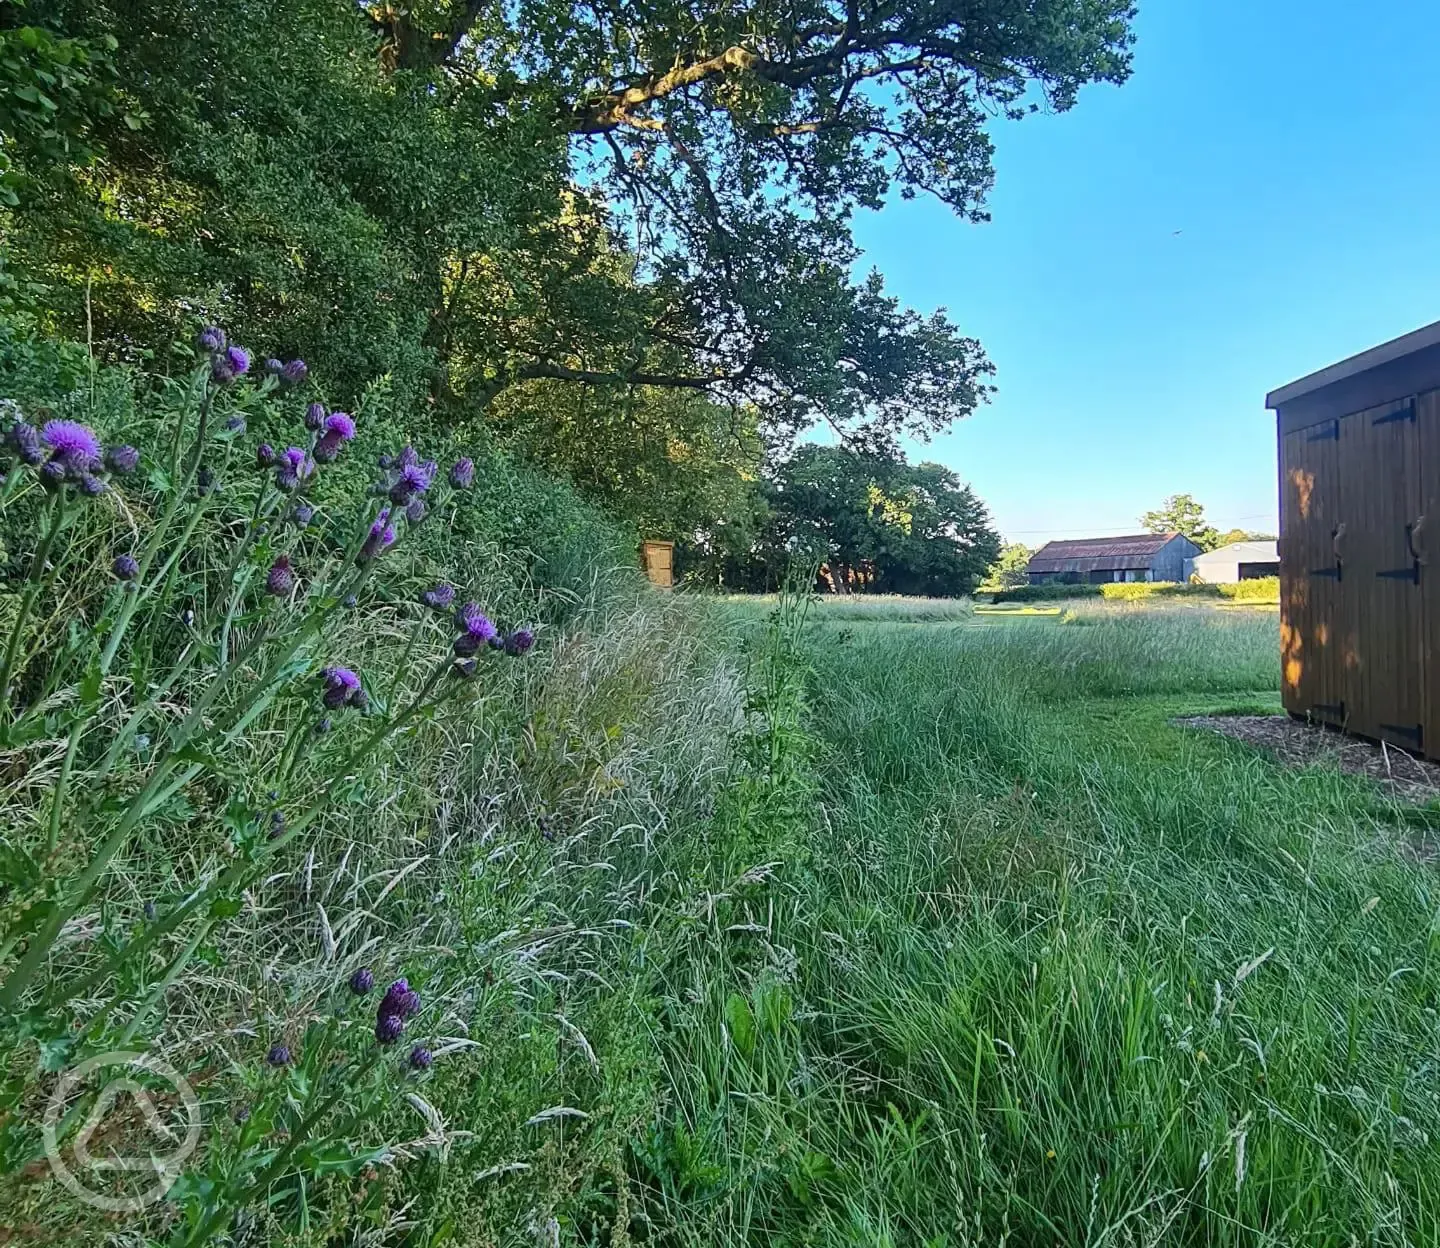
239 360
122 459
292 466
265 455
411 479
279 1055
341 423
52 474
415 510
236 424
361 981
303 513
360 700
380 538
439 596
420 1058
340 685
25 438
409 1004
72 443
386 462
476 629
462 473
409 457
220 371
519 642
390 1002
388 1028
315 415
294 372
466 668
274 366
91 486
126 567
211 338
281 578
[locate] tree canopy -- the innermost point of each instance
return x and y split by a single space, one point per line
493 205
1180 513
870 522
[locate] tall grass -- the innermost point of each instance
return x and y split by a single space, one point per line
1055 972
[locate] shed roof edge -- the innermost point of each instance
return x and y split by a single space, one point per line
1396 348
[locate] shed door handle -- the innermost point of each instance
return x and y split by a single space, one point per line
1336 538
1417 551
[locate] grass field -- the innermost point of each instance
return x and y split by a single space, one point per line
1051 971
867 926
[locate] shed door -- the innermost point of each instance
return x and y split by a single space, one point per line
1380 595
1427 548
1312 668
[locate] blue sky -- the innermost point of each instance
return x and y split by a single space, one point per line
1295 144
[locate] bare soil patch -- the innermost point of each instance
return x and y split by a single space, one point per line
1297 744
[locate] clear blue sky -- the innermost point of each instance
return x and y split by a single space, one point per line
1296 146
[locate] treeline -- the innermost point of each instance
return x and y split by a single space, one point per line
868 523
614 239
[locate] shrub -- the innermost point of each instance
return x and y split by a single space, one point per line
1265 589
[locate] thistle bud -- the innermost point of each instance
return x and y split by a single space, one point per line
122 459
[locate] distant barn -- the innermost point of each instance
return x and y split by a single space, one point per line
1104 560
1359 553
1239 561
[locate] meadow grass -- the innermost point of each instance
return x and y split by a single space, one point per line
739 927
1050 970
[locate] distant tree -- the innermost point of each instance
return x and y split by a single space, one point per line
1244 535
1180 513
1008 571
874 523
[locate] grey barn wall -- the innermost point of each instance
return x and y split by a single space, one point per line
1169 562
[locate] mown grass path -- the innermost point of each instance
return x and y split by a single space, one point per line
1053 971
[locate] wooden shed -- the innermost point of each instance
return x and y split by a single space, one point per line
658 559
1360 540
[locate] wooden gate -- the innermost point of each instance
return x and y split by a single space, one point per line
1313 672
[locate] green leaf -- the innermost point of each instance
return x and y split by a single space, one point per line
226 907
741 1023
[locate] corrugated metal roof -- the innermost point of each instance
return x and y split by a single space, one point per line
1100 554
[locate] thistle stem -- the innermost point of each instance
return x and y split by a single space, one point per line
36 578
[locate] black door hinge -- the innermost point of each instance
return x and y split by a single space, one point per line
1411 574
1405 413
1335 710
1416 732
1337 572
1331 433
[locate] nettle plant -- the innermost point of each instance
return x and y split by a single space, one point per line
143 711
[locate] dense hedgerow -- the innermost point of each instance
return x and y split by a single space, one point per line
1262 589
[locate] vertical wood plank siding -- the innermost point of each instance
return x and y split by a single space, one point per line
1359 581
